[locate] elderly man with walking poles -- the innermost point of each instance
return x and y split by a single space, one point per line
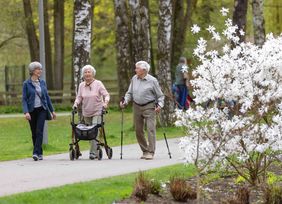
148 99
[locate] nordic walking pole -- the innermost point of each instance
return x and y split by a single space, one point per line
121 132
169 154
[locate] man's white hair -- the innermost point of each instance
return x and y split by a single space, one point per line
143 65
87 67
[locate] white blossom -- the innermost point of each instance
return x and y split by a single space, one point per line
195 29
211 29
184 68
242 33
238 94
225 48
224 11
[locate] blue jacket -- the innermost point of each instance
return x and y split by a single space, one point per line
28 97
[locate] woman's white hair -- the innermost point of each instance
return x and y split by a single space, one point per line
32 66
143 65
86 67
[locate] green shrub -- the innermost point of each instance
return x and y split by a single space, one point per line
155 187
11 109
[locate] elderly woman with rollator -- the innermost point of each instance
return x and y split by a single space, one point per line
93 97
148 99
36 104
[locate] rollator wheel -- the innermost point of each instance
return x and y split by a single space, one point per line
72 154
100 154
77 153
109 152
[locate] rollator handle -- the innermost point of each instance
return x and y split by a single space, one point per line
104 111
74 109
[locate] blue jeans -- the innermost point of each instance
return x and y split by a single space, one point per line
180 92
38 117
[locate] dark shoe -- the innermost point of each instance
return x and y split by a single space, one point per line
40 157
92 156
35 157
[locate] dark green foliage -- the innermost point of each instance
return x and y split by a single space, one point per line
155 187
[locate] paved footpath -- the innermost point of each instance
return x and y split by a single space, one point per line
57 170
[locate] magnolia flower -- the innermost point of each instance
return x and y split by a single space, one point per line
195 29
211 29
234 93
216 36
225 48
242 33
224 11
184 68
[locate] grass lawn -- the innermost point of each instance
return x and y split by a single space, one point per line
98 191
16 143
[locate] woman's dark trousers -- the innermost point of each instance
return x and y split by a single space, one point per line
36 123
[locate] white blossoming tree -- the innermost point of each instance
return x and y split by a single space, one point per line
237 117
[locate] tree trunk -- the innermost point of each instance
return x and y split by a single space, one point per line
48 48
240 18
123 46
83 15
140 28
181 21
31 32
258 22
164 58
59 44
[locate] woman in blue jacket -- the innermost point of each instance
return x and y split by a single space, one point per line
36 102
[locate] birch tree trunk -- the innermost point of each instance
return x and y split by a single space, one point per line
31 32
83 15
123 45
164 58
140 29
258 22
240 17
59 44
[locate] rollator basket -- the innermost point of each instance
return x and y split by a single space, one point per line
83 132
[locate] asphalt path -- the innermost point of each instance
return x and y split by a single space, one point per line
27 175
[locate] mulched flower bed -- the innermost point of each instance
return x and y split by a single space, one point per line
219 191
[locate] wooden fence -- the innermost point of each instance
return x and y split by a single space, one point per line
58 96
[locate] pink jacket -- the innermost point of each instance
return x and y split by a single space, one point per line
92 98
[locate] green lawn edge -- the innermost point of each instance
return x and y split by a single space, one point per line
102 191
16 143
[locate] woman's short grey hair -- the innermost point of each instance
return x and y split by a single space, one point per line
32 66
86 67
143 65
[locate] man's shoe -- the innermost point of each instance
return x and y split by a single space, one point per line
35 157
40 157
144 155
92 156
149 157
